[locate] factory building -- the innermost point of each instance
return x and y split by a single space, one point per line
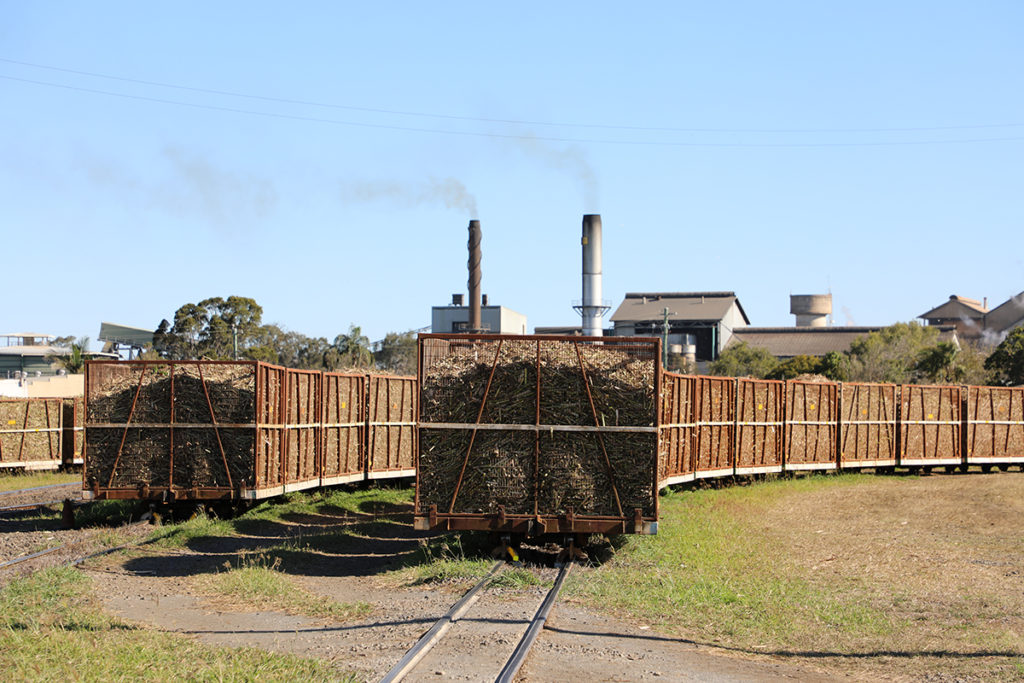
493 319
700 324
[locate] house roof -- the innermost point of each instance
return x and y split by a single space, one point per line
786 342
645 306
957 307
1006 315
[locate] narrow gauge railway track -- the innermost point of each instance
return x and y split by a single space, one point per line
23 508
31 489
71 544
533 628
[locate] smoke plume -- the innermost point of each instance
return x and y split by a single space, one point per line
447 191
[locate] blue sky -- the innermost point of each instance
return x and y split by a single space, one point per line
324 158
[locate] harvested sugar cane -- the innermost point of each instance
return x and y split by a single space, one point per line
120 397
543 471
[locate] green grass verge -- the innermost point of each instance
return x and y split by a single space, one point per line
51 630
257 582
27 480
715 575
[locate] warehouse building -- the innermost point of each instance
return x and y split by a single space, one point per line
700 324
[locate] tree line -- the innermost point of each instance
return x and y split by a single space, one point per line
232 328
904 353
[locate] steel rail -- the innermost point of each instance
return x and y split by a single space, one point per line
62 546
515 662
28 507
437 631
38 488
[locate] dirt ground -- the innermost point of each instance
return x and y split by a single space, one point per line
922 533
157 589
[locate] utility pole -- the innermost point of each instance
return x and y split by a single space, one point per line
234 339
664 336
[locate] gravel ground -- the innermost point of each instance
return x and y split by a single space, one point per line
33 531
159 590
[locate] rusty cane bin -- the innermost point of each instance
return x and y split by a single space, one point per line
72 431
867 425
812 419
391 420
675 425
995 425
538 434
760 410
929 425
186 430
715 426
30 433
344 428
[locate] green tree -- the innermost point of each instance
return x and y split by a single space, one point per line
834 366
890 354
1007 361
350 350
938 364
796 366
743 360
209 329
396 353
72 360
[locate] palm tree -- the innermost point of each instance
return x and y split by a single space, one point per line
73 362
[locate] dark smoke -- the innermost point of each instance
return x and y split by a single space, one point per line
447 191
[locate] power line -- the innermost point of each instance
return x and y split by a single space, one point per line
525 122
506 136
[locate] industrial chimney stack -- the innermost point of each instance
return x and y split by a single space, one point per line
474 276
592 308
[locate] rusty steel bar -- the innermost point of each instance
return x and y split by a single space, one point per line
600 437
479 416
124 436
536 441
213 419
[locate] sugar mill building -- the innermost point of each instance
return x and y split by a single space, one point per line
700 324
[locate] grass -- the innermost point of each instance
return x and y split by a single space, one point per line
759 569
27 480
708 569
257 582
52 630
179 535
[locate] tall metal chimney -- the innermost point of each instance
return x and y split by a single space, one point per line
474 276
592 308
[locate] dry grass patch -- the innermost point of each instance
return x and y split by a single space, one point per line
878 577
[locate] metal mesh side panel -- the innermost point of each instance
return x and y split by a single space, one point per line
759 407
868 423
811 423
930 423
995 423
715 399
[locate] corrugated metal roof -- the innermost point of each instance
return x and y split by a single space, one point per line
956 307
786 342
639 306
123 334
1006 315
33 351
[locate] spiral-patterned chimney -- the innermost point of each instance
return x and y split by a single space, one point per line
475 236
